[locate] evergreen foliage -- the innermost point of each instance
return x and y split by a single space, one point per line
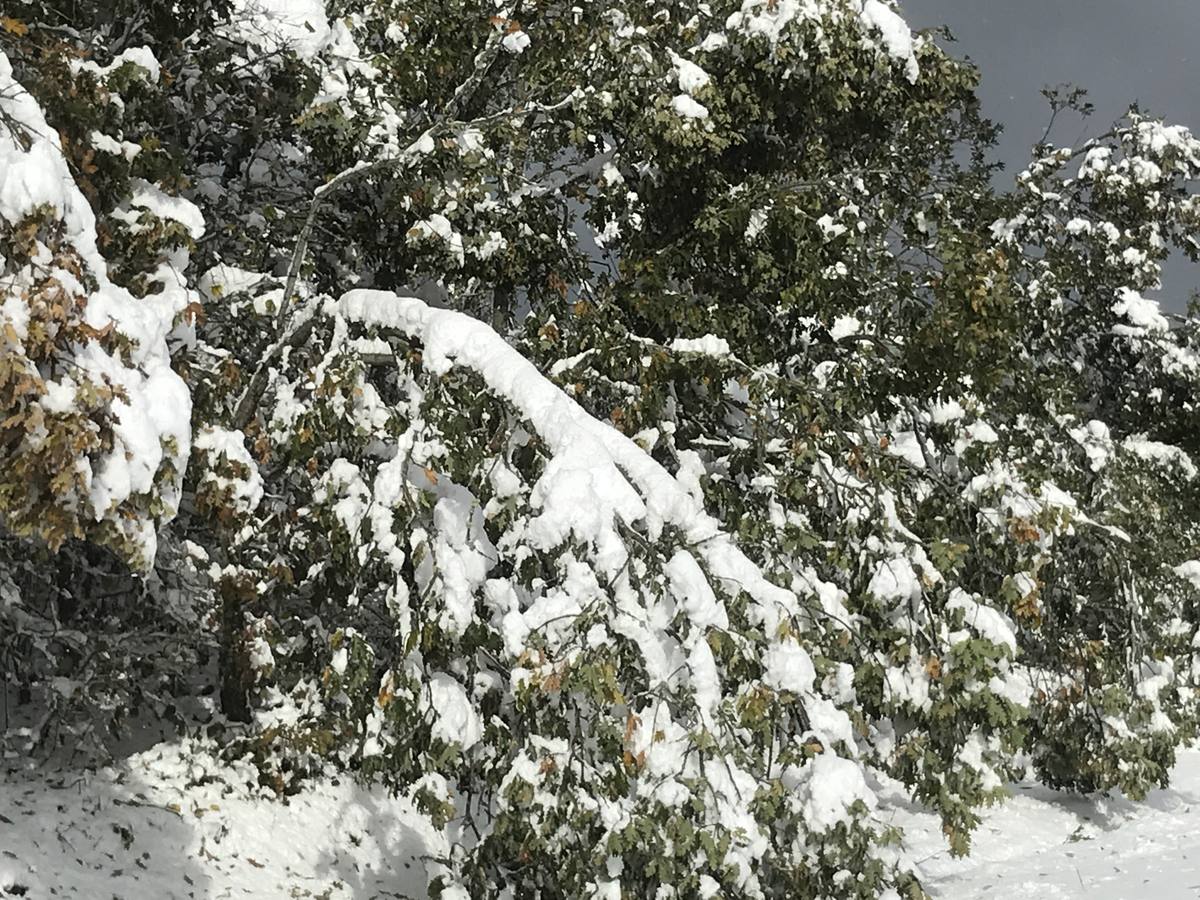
630 430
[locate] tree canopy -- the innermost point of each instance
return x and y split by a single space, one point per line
635 431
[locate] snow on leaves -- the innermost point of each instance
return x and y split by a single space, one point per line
98 424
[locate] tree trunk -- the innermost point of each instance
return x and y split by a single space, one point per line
234 661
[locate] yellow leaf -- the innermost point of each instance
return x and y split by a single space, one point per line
14 26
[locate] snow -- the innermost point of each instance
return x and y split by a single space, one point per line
788 668
516 42
757 222
830 228
945 411
343 482
596 475
688 108
894 580
844 327
1189 570
830 785
143 57
106 144
709 345
894 32
1161 454
713 42
463 553
176 209
1096 442
981 432
339 660
1140 312
910 684
770 18
1045 844
1095 162
691 588
216 443
438 226
454 716
223 280
152 427
989 623
300 25
978 432
907 446
596 486
690 76
174 822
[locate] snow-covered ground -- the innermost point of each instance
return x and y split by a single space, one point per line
174 824
168 825
1048 845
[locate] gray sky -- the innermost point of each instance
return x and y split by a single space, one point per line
1120 50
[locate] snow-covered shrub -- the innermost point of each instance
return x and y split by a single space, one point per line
546 640
99 630
97 424
798 450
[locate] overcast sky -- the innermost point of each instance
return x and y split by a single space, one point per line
1120 50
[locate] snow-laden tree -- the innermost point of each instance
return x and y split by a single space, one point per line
97 425
542 636
793 453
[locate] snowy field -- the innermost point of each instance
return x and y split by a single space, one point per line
1048 845
139 834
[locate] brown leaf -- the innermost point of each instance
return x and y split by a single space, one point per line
1024 531
193 313
631 722
557 284
96 333
933 667
262 447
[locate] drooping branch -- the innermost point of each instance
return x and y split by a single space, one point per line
633 485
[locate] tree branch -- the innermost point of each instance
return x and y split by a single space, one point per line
248 404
